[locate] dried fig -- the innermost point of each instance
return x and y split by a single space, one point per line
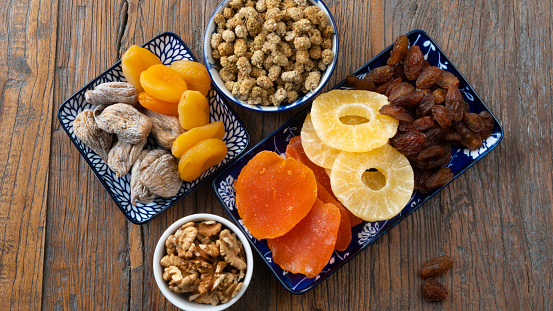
87 130
139 192
161 176
122 156
111 93
165 129
125 121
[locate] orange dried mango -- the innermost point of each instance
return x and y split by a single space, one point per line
161 82
274 194
193 110
344 232
190 138
307 248
158 105
201 157
195 74
135 60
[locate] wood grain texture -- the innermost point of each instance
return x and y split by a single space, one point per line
495 220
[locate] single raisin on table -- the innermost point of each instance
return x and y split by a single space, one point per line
409 143
439 179
435 267
410 100
473 121
360 84
442 116
400 48
396 112
413 62
420 124
380 74
428 77
487 126
434 291
425 105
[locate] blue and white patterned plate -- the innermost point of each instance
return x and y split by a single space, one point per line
168 47
365 233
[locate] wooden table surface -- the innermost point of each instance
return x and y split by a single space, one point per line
64 244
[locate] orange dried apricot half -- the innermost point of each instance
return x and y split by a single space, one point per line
344 232
195 75
274 194
193 110
370 204
135 60
328 108
161 82
190 138
307 248
201 157
158 105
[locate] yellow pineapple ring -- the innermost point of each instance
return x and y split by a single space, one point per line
328 108
319 153
377 200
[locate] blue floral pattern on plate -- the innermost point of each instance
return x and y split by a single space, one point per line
365 233
169 48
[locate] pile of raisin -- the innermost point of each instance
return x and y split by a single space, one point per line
431 110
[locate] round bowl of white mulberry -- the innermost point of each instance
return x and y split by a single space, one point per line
270 55
203 262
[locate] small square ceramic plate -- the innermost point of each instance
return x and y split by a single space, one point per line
168 47
365 233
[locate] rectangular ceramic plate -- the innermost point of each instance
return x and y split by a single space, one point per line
365 233
169 48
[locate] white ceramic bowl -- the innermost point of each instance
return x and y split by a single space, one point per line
179 300
213 66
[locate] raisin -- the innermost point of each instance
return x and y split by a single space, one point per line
392 86
431 151
442 115
469 139
434 291
413 63
439 179
440 95
360 84
447 79
410 100
450 135
425 105
420 177
420 124
454 101
398 51
428 77
402 89
396 112
423 91
399 72
409 143
487 126
380 74
433 136
473 121
436 267
435 161
383 87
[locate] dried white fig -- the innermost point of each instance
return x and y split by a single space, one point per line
87 130
162 175
123 155
165 129
111 93
125 121
139 192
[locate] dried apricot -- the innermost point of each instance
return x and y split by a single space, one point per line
163 83
188 139
307 248
135 60
201 157
274 194
193 110
158 105
195 75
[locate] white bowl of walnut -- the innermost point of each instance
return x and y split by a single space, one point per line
203 262
270 55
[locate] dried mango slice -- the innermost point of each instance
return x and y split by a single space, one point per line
347 182
307 248
344 232
328 108
295 151
274 194
317 151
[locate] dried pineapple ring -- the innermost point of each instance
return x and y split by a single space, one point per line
318 152
349 186
328 108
